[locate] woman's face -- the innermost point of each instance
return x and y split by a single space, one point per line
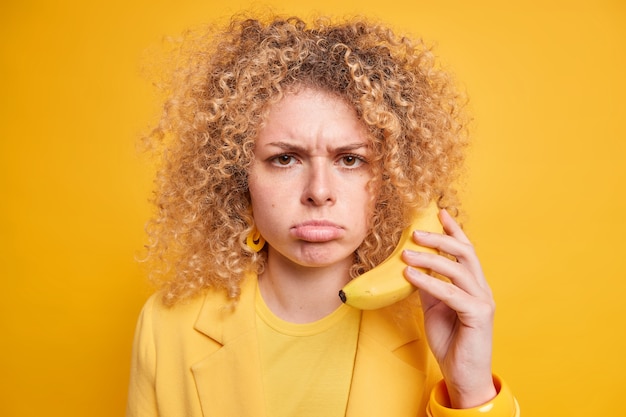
308 181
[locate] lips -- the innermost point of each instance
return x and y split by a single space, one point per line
317 231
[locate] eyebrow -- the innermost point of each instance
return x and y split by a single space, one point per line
340 149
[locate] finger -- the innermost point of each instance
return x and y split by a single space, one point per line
454 271
465 258
472 311
451 227
465 253
454 243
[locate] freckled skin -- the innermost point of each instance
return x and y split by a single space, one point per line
308 182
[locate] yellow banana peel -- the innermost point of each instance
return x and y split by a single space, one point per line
385 284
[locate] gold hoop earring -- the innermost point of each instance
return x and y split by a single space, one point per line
255 241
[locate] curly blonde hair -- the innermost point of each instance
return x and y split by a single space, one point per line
218 96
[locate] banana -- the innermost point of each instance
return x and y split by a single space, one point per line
385 284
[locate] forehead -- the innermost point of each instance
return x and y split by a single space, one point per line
308 114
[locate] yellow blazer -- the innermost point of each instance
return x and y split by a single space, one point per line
200 359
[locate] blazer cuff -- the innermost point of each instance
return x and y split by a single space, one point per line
503 405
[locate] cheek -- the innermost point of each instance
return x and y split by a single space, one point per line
262 198
365 215
255 186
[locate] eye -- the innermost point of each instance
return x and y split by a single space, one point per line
283 160
351 161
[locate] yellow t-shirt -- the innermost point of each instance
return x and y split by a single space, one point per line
307 368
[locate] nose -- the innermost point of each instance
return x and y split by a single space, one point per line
319 188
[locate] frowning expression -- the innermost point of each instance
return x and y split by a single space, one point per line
308 182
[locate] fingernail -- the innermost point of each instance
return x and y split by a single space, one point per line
413 273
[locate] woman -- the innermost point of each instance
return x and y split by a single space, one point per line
294 156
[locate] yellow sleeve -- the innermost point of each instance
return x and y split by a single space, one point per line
503 405
141 390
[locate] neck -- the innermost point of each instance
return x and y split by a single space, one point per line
300 294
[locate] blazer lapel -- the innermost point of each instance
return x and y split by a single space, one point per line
390 365
229 380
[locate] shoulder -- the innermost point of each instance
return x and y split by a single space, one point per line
188 309
160 314
159 324
170 334
204 315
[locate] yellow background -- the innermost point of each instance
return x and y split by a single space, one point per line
545 191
